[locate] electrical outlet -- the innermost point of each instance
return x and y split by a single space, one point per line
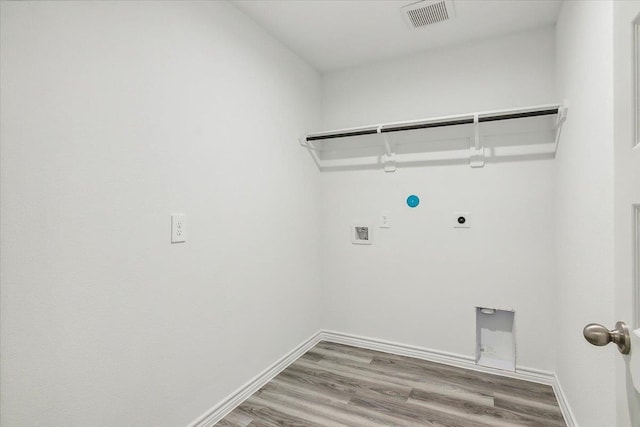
385 220
178 228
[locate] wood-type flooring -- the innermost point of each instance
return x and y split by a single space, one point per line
339 385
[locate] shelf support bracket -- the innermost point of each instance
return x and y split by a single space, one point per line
476 152
312 151
562 116
389 157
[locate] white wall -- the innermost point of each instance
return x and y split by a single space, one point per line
420 280
498 73
584 208
114 116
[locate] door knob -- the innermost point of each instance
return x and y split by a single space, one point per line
599 335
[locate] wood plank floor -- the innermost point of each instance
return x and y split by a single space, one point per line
339 385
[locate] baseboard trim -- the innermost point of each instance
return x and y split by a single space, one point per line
219 411
567 413
453 359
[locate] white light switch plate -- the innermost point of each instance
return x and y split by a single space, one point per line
178 228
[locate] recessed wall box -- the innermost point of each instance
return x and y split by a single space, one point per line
361 234
495 338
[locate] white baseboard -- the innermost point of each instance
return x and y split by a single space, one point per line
459 360
220 410
569 418
452 359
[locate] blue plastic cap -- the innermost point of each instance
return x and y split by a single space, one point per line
413 201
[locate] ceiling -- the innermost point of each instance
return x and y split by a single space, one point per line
335 34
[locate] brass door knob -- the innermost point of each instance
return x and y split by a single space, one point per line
599 335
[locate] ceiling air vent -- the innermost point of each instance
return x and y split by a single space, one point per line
428 12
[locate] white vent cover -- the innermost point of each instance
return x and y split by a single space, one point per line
428 12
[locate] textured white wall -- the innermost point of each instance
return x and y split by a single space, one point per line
114 116
584 208
420 280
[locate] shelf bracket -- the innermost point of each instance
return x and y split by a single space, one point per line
389 157
476 152
312 151
562 116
